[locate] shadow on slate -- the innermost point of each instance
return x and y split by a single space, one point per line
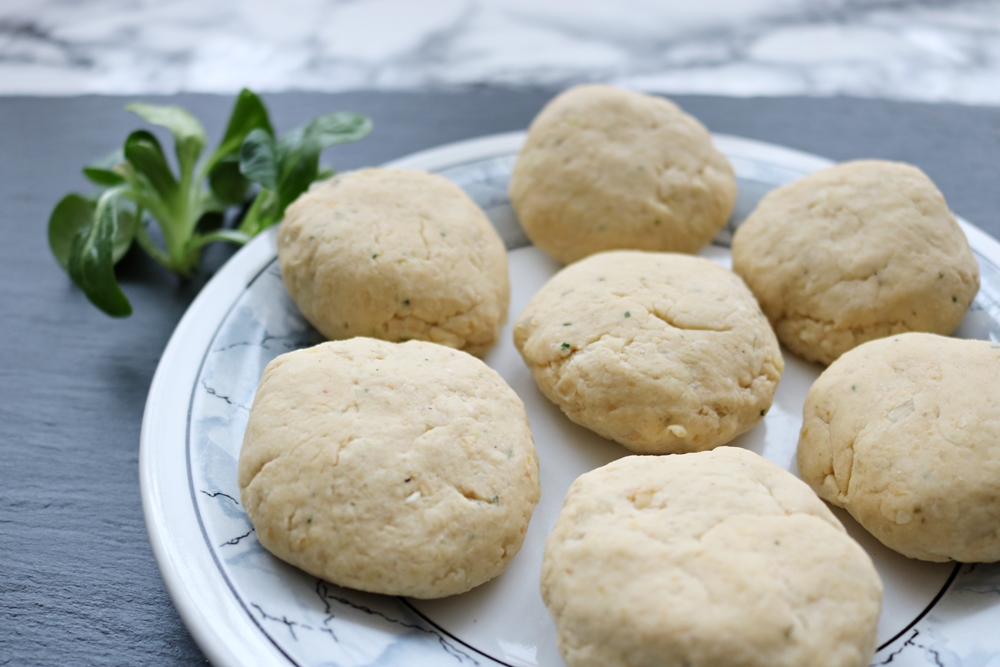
78 583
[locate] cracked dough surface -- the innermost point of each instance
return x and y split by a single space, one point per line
404 469
713 559
856 252
662 352
904 433
605 168
397 255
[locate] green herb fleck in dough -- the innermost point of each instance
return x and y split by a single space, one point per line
565 346
406 302
566 324
309 519
495 500
443 234
954 299
762 412
854 387
940 274
375 255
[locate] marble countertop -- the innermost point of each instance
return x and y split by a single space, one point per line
79 584
926 50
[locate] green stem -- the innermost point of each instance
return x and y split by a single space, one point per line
146 243
192 250
231 235
166 217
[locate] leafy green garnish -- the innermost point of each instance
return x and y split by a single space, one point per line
90 258
74 213
88 236
285 168
102 171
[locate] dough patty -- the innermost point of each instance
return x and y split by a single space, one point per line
661 352
604 168
904 433
404 469
856 252
713 559
397 255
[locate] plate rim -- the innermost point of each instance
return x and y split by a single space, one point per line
226 632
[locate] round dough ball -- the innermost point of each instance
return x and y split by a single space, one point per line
904 433
661 352
397 255
604 168
853 253
715 559
404 469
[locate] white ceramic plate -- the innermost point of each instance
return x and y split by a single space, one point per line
245 607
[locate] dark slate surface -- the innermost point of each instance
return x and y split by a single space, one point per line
78 584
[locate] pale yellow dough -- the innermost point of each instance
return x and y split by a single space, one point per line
397 255
604 168
662 352
853 253
714 559
404 469
904 433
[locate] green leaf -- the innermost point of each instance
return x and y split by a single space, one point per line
91 264
145 154
103 177
128 222
263 213
300 170
340 127
258 160
189 135
226 181
249 114
299 150
73 213
102 171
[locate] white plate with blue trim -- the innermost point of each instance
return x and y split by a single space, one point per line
245 607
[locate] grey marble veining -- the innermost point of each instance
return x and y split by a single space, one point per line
931 50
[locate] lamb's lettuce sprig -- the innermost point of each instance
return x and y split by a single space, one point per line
285 168
89 235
